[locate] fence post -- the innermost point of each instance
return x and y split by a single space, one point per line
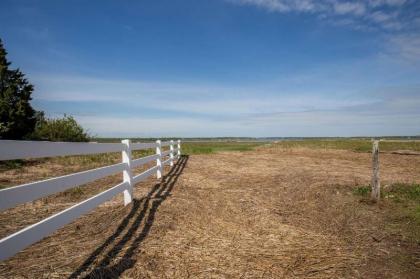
127 174
159 159
376 185
172 153
179 149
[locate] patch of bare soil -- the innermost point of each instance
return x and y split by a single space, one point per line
269 213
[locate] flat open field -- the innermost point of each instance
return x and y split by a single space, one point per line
254 210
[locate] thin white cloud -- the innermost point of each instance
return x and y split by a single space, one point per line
356 8
285 5
353 121
377 3
381 17
205 110
406 46
197 99
383 14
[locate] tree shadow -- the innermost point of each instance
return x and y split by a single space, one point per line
135 233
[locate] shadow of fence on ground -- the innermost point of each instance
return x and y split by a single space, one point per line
135 233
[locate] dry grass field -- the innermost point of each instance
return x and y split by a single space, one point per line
270 211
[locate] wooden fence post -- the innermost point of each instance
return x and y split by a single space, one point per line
172 153
127 174
179 149
159 159
376 185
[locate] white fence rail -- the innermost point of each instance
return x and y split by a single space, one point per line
10 197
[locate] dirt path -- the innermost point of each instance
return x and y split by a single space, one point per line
270 213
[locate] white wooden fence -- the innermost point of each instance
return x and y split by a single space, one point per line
13 196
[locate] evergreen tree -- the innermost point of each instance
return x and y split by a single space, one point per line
17 117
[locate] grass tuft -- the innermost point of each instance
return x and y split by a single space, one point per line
404 192
11 164
362 191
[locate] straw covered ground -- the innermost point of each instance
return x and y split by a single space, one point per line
272 212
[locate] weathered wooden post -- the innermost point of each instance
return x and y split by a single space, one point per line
376 184
127 174
159 159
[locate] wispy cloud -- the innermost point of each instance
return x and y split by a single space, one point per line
285 5
342 8
199 98
383 14
377 3
405 46
133 108
363 120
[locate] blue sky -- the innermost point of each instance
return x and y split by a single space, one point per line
222 67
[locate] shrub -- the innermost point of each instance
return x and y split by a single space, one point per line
59 129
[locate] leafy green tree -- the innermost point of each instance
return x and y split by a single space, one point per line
58 129
17 117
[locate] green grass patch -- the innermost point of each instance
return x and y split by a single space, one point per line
358 145
403 204
363 191
204 146
397 192
190 148
11 164
404 192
